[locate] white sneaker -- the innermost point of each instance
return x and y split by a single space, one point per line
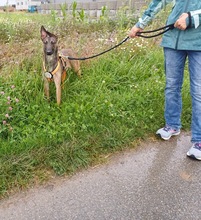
195 151
167 132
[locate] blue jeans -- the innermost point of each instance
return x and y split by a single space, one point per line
174 70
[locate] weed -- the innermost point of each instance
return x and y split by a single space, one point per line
64 11
9 105
74 5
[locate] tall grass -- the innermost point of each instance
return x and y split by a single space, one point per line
118 100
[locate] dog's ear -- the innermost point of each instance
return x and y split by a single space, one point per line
43 32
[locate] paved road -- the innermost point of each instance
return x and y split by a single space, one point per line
155 181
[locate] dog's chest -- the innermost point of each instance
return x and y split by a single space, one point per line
50 63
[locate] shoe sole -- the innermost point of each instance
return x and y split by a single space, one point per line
167 138
193 156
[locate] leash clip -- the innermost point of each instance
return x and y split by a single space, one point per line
48 75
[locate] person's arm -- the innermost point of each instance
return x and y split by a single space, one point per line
154 7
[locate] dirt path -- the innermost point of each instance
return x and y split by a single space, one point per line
154 181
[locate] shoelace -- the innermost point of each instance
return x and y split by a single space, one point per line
197 146
166 128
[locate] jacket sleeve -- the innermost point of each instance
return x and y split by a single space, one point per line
195 18
154 7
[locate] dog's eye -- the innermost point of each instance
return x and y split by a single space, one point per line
53 40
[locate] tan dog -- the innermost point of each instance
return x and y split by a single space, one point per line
55 65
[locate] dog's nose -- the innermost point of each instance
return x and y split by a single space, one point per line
49 52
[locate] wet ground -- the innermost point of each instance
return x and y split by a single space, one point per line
154 181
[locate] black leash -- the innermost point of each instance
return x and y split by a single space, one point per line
165 29
140 34
86 58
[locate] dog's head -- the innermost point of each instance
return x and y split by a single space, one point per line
49 41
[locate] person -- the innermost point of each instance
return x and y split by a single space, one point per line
179 43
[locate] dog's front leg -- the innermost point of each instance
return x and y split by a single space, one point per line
46 88
57 81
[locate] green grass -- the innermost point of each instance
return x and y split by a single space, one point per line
118 101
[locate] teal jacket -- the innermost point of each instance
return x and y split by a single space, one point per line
190 39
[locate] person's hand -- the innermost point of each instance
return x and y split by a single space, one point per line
133 32
181 22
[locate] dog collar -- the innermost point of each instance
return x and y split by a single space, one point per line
49 75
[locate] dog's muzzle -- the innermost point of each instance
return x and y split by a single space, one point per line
48 75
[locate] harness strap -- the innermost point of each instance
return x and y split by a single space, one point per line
64 75
56 69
